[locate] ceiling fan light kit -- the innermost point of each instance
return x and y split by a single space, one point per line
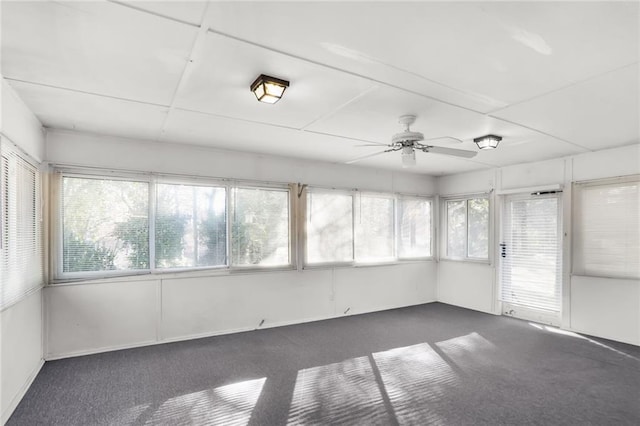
268 89
408 157
488 141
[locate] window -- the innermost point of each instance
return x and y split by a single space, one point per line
607 228
467 228
374 236
22 265
105 224
109 226
329 227
345 227
190 226
260 227
414 229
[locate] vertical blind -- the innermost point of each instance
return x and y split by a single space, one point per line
22 265
607 228
531 265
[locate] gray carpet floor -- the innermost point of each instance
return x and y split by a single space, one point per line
428 364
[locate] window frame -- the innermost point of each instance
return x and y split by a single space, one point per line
291 227
304 235
577 263
57 243
153 213
25 283
429 200
153 179
444 228
354 193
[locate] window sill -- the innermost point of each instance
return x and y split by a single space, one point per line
467 260
366 264
171 274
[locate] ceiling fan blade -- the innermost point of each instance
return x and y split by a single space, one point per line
367 156
443 138
373 144
449 151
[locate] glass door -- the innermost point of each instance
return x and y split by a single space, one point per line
531 257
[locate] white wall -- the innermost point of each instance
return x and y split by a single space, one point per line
601 307
73 148
20 323
118 313
106 315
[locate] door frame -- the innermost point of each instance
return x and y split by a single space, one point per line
520 311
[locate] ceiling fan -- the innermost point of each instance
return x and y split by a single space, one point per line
408 142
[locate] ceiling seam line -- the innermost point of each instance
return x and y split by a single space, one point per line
584 80
244 120
156 14
339 107
185 70
343 137
84 92
334 68
541 132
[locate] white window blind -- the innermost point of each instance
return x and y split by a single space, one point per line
22 267
607 228
414 228
105 224
531 262
329 227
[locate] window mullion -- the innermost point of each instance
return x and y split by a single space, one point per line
152 222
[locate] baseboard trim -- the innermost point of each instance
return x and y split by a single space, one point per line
21 393
471 308
53 357
601 336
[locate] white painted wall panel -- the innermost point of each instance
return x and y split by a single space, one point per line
73 148
226 303
112 314
466 284
532 174
606 307
21 324
369 289
608 163
96 317
20 349
466 183
19 124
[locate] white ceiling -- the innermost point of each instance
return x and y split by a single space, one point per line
552 78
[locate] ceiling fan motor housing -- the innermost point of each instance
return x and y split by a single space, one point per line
407 138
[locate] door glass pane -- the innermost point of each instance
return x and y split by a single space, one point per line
531 265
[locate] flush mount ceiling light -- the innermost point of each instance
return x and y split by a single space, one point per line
488 141
268 89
